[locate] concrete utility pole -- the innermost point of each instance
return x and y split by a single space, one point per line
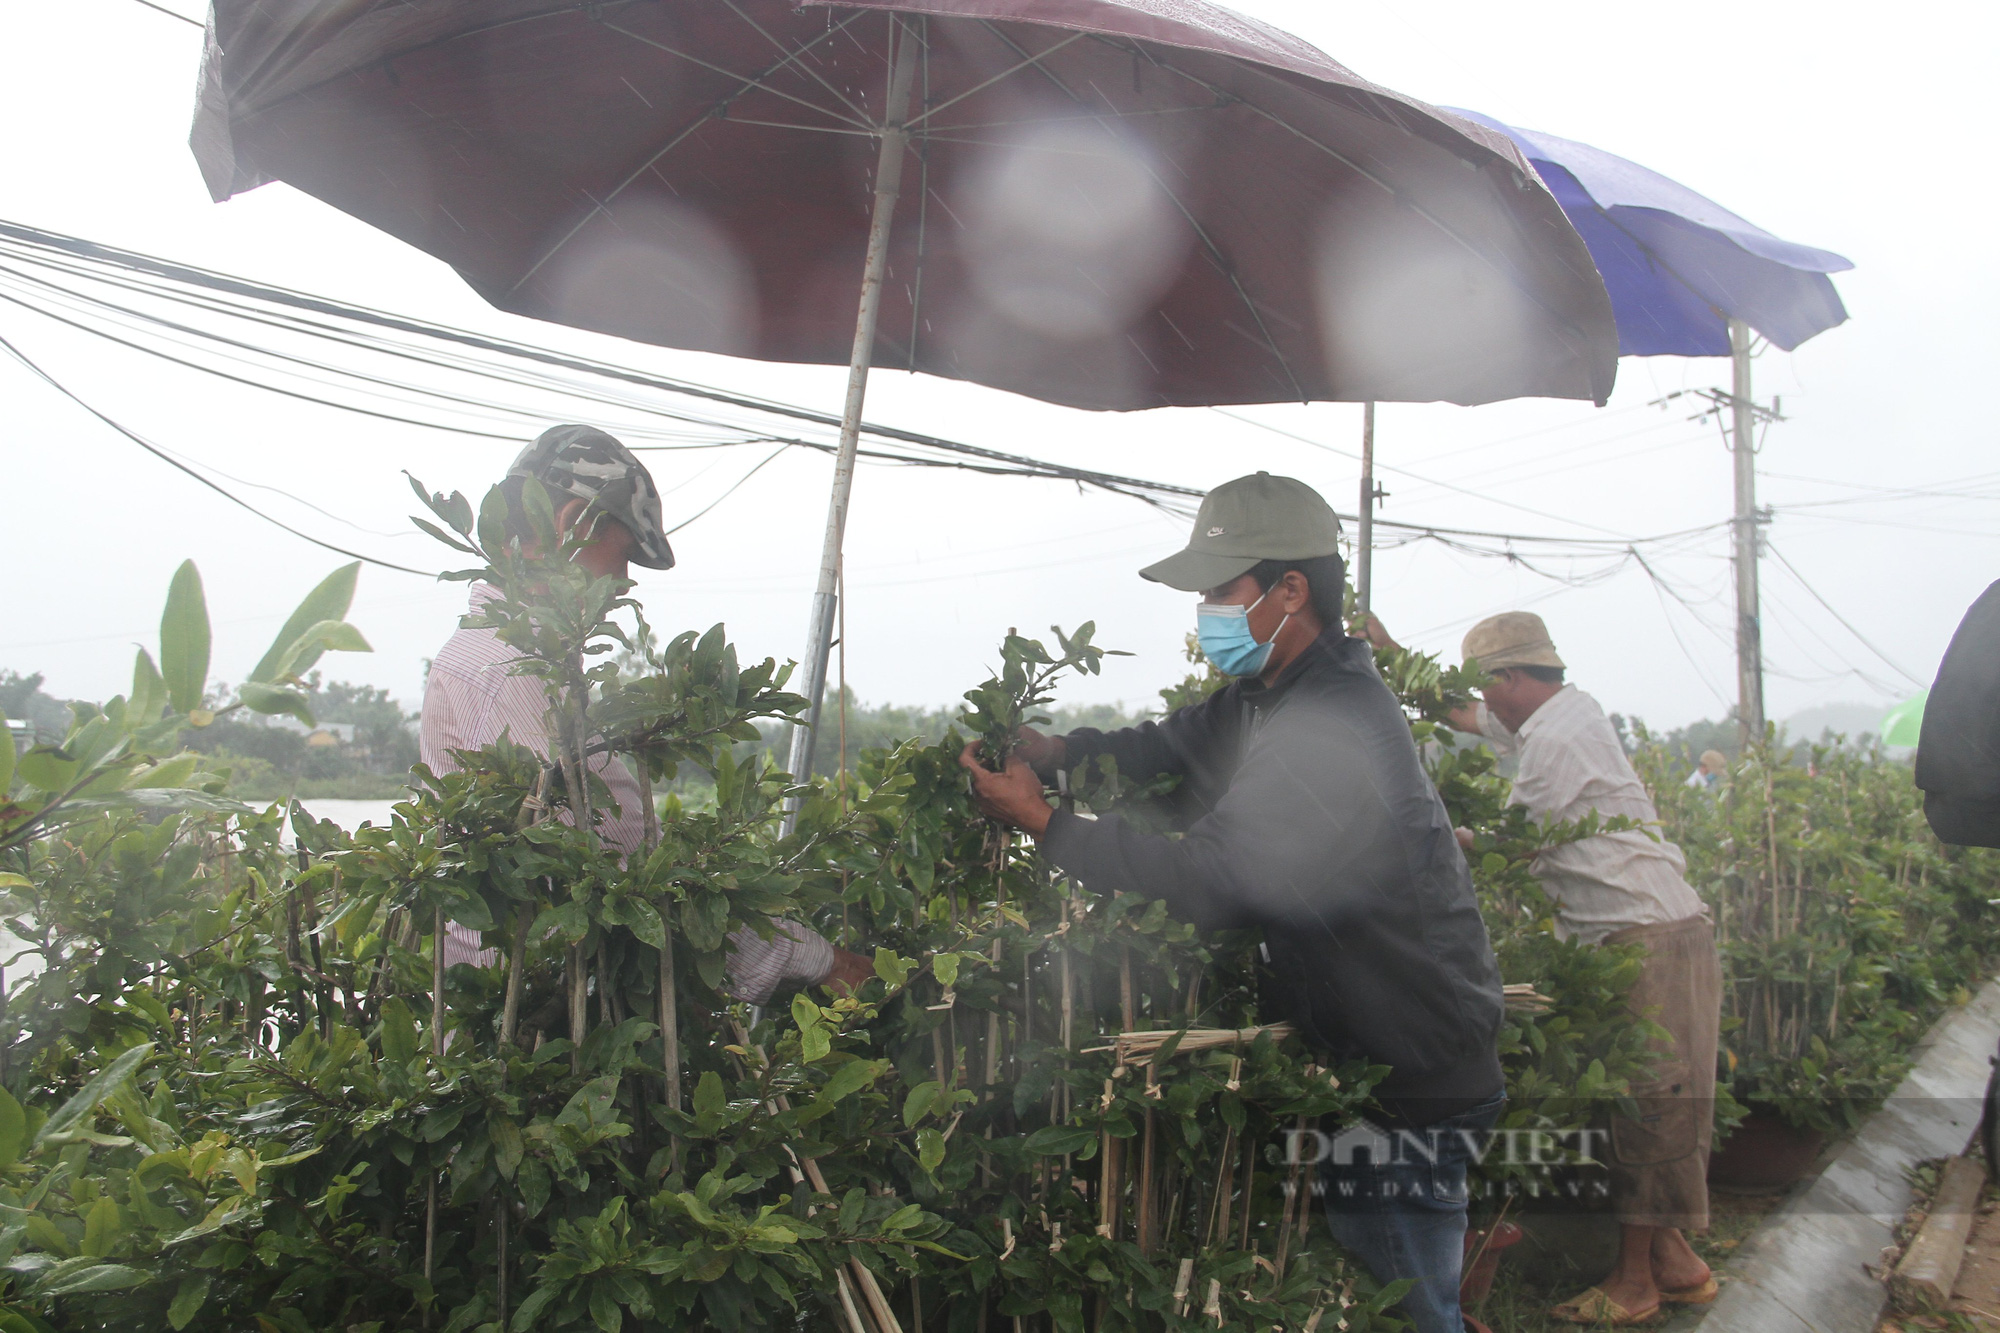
1749 622
1364 531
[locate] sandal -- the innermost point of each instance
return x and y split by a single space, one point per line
1594 1307
1702 1293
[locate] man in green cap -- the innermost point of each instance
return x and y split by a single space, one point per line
471 696
1303 810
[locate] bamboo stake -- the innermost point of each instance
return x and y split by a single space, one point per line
1145 1222
578 1007
993 1031
1292 1199
1181 1281
864 1277
669 1005
500 1241
510 1012
1109 1186
1249 1193
607 1013
437 1053
847 1304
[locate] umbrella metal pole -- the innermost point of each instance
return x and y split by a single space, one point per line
1364 535
888 184
1749 622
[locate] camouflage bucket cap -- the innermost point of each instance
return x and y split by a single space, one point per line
585 463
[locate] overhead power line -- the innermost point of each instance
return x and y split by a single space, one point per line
162 9
175 463
1844 622
141 263
302 314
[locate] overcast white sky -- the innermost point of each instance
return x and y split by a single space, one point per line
1860 129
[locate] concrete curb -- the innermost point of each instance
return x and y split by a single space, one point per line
1805 1270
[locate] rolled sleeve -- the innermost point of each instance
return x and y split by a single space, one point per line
757 966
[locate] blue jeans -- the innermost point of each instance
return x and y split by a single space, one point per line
1396 1199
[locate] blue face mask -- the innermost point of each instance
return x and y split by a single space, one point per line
1224 632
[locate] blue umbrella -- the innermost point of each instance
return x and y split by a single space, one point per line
1686 277
1678 265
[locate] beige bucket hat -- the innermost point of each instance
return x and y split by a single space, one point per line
1511 639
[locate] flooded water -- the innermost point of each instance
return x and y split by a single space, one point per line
350 815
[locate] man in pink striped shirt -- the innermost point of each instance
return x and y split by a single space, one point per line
472 695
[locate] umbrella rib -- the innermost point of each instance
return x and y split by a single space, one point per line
603 205
749 81
1027 61
805 129
923 139
1066 120
817 77
1655 257
1214 251
1567 325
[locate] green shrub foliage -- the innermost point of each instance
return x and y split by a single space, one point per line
1846 928
241 1093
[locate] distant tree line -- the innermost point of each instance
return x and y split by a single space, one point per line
270 759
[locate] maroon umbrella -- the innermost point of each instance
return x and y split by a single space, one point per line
1106 204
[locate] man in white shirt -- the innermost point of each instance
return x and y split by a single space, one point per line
1625 887
472 695
1708 774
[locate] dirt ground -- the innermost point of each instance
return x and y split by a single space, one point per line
1518 1305
1976 1296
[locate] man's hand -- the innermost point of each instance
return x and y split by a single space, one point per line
1377 634
850 972
1044 754
1013 797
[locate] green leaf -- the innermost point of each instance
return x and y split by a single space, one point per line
271 700
85 1277
329 601
399 1031
945 967
1061 1140
891 967
13 1128
47 769
851 1078
7 753
94 1092
101 1226
149 691
326 636
708 1095
644 920
188 1300
919 1101
508 1145
604 1310
528 1316
184 639
930 1149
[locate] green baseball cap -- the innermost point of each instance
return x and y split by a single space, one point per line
1245 521
587 464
